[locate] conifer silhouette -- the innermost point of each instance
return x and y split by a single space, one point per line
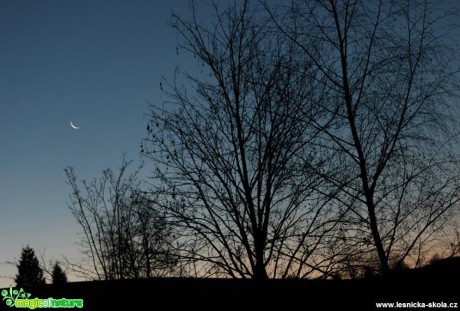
59 276
29 271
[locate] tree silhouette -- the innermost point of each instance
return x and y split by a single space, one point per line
229 161
58 276
29 271
389 69
124 236
320 141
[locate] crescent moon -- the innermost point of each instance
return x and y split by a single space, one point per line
73 126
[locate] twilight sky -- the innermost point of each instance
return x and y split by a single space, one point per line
95 63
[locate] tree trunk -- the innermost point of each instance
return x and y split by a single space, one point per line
384 267
259 268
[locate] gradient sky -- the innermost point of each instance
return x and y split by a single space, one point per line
95 63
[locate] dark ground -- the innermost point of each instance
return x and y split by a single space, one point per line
436 283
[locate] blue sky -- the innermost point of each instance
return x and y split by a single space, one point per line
95 63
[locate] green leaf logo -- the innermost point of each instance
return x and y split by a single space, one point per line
10 296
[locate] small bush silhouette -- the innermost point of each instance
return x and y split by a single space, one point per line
59 276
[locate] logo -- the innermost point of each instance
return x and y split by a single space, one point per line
21 299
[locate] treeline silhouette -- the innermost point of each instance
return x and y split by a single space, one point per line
316 140
433 283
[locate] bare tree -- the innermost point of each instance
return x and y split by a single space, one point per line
230 152
124 236
390 76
